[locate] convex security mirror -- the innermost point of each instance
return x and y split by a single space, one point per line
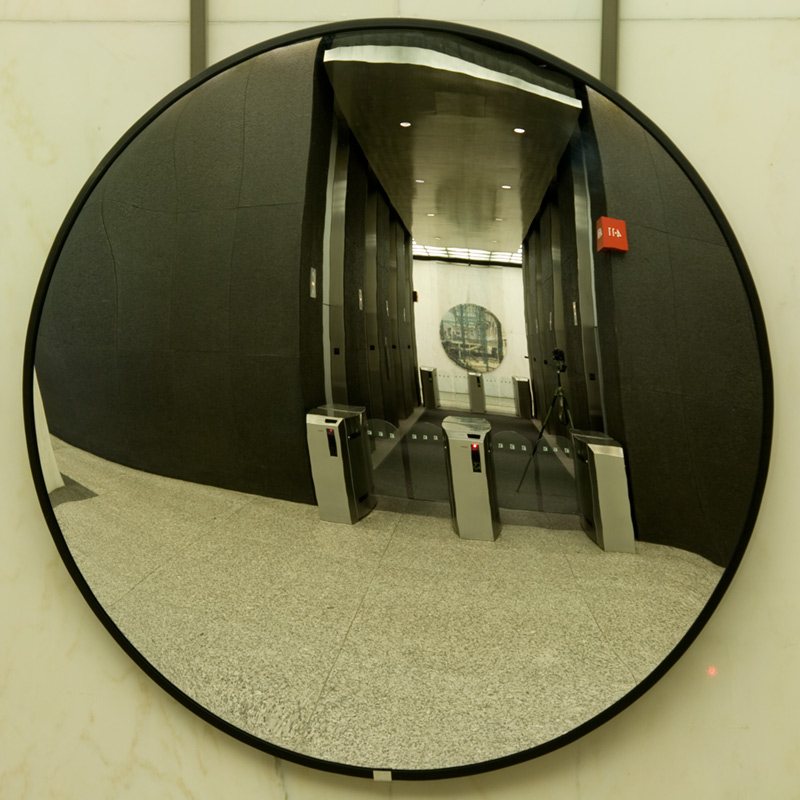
291 230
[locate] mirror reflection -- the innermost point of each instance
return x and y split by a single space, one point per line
273 288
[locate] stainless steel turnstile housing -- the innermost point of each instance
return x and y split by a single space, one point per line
473 501
430 387
602 486
523 402
338 447
477 396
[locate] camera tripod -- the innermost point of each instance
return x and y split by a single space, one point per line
564 416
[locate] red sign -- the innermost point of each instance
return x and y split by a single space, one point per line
611 234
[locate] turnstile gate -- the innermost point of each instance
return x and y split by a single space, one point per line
341 468
473 500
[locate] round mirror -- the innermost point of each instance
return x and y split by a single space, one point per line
321 493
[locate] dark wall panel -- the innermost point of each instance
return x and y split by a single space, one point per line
278 110
208 143
83 383
573 340
81 305
146 177
394 292
354 281
405 329
200 311
682 381
270 445
534 319
317 155
148 409
383 311
371 302
179 335
412 324
264 280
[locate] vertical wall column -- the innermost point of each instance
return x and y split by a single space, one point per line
333 289
392 350
587 304
383 252
371 303
355 296
405 322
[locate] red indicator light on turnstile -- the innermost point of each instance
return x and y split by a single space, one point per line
474 447
332 449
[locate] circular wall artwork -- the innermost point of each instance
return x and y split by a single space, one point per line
472 337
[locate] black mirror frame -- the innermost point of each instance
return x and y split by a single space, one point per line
514 47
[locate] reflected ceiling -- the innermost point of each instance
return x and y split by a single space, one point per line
420 115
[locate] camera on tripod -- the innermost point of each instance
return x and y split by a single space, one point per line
559 360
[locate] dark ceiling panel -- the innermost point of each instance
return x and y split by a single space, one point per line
461 143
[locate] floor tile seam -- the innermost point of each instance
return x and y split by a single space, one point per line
584 599
210 530
356 613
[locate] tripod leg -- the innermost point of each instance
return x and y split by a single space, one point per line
538 439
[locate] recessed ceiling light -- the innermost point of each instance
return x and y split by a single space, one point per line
495 241
438 238
519 130
405 124
431 215
498 219
505 186
419 181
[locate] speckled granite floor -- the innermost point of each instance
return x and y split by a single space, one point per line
391 643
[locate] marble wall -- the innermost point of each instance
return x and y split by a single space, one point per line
79 720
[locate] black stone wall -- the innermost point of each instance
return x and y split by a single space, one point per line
681 371
178 334
681 375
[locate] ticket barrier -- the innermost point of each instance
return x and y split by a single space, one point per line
339 450
602 485
477 396
523 403
430 387
473 500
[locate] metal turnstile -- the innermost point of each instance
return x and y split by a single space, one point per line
477 397
473 501
602 486
430 387
522 398
338 447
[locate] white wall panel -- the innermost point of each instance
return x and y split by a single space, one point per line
568 30
707 9
440 286
227 38
96 10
